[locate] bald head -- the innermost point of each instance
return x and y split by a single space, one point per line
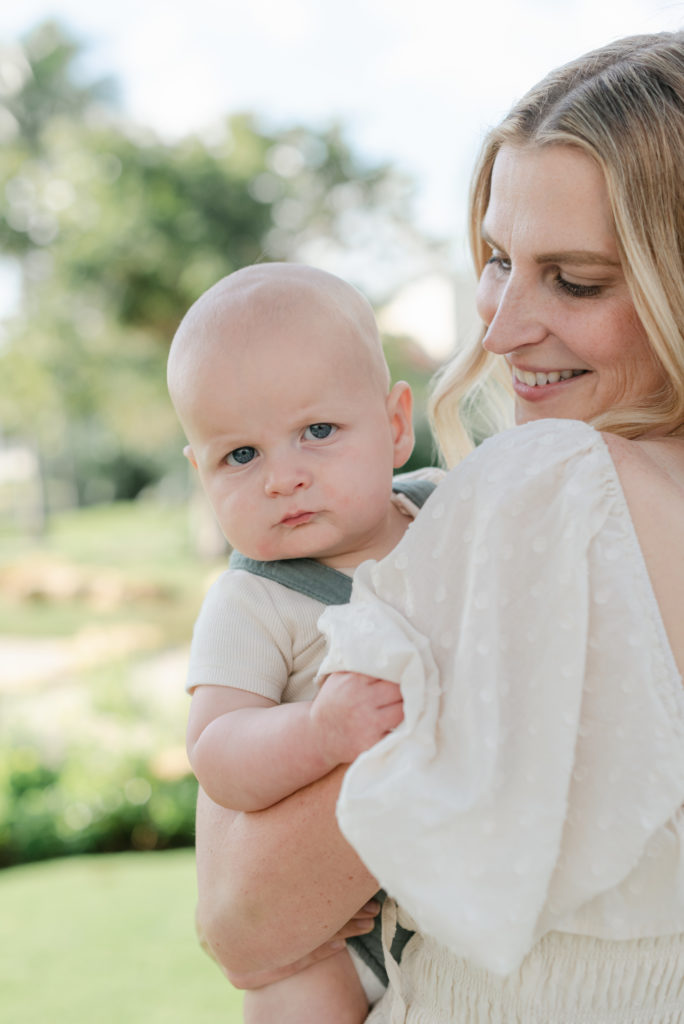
251 306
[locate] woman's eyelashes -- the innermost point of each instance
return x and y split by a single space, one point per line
499 261
577 291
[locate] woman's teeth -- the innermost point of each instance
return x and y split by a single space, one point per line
539 379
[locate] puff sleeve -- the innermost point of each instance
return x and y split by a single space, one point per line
543 739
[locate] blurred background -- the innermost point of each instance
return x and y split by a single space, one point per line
147 149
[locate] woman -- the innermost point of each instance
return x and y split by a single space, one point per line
555 900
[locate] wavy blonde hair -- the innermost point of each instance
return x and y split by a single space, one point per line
624 106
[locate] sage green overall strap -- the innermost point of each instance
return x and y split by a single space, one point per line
311 577
417 491
303 574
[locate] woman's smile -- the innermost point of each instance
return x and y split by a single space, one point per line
542 378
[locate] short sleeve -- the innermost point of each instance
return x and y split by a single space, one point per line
543 739
256 635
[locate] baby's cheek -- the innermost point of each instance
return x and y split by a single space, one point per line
238 527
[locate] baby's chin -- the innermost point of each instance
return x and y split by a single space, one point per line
300 542
279 553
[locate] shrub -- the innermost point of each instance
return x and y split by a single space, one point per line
80 801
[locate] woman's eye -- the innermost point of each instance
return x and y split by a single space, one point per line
241 456
499 261
578 291
319 431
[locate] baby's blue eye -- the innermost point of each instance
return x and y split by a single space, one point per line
241 456
319 431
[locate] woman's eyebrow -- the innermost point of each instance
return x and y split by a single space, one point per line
571 257
486 237
578 257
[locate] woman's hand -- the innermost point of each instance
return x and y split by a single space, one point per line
360 924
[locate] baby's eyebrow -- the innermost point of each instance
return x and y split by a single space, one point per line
222 445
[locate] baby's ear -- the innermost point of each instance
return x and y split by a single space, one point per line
400 410
190 455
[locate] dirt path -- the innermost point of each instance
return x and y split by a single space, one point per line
33 661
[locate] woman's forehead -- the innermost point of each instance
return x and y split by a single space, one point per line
553 198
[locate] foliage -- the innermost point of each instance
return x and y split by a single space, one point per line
92 743
40 83
87 801
117 232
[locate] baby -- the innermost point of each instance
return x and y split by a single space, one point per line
278 377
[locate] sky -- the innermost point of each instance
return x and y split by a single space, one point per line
415 82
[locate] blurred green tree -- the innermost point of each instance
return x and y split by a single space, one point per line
116 233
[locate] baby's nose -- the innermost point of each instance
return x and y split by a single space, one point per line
285 476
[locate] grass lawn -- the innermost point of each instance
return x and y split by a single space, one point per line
106 940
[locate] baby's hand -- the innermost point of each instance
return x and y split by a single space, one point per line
352 712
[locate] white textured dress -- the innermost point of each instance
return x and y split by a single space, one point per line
527 814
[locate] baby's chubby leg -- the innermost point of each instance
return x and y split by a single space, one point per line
327 992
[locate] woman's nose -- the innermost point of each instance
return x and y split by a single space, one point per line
512 316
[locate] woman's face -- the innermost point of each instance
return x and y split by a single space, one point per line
553 295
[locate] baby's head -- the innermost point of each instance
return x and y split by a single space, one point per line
278 377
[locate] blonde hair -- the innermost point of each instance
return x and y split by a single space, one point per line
624 106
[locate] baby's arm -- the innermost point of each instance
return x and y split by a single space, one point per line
249 752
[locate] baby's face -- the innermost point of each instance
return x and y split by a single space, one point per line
295 443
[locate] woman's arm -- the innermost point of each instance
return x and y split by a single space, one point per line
274 885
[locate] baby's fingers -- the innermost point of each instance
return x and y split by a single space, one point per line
361 923
392 716
385 693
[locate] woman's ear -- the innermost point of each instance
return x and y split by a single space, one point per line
399 411
190 455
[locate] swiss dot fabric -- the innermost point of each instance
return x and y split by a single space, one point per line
536 783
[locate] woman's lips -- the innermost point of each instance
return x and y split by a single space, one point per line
535 385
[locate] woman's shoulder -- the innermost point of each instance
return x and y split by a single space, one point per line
538 456
555 438
658 459
651 475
